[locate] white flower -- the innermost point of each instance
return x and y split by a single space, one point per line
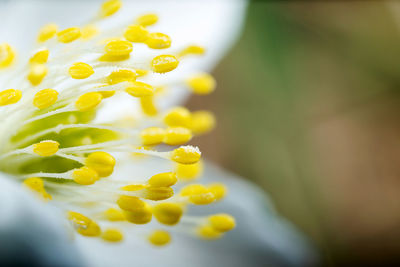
66 135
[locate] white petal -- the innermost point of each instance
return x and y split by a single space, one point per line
31 232
261 238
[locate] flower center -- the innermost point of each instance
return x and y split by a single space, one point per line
52 141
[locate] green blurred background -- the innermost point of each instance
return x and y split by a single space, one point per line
308 108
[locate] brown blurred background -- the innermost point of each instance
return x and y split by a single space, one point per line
308 105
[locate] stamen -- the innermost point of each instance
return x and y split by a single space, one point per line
222 222
101 162
157 40
198 194
112 235
45 148
178 116
165 179
36 74
192 50
147 19
202 83
85 176
83 224
10 96
88 101
110 7
40 57
202 122
7 55
139 89
36 184
168 213
118 48
47 32
69 35
164 63
177 136
160 238
80 70
45 98
136 34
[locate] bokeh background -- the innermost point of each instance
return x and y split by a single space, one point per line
308 106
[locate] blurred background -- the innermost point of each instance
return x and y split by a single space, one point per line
308 105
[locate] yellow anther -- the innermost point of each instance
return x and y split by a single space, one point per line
164 63
160 238
168 213
177 136
120 76
222 222
47 32
147 19
157 40
7 55
85 176
112 235
114 215
36 184
89 31
164 179
202 83
84 225
111 58
80 70
152 136
10 96
178 116
157 193
141 73
110 7
192 50
148 106
219 190
45 98
202 122
40 57
136 33
118 48
107 94
101 162
69 35
139 89
198 194
193 189
209 233
189 171
78 218
140 216
46 148
36 73
186 155
134 187
130 203
88 101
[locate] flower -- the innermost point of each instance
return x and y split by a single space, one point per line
52 141
107 182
